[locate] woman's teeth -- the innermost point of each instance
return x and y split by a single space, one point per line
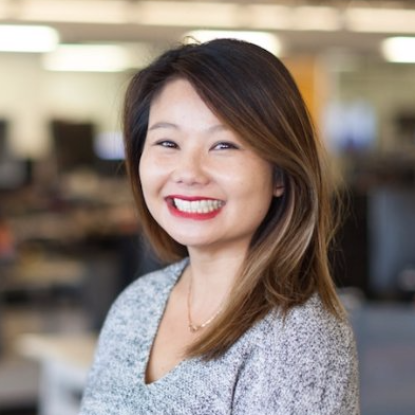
197 206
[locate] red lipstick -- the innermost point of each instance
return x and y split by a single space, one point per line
194 207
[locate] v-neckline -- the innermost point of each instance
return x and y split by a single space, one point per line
176 271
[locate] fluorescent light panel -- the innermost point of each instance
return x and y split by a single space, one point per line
19 38
266 40
88 58
399 49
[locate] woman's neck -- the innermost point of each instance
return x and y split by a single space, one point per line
208 280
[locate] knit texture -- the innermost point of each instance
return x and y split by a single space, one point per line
304 365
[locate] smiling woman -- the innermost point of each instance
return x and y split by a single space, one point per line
226 171
194 170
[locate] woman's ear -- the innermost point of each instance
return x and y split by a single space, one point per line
278 182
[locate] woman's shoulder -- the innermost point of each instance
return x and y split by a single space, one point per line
308 327
309 342
313 319
304 362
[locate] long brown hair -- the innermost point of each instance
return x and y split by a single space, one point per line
253 93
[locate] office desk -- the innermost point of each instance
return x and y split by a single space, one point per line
65 361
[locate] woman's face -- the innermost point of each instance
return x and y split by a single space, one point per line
202 184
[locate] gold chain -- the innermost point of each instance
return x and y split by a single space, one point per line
194 327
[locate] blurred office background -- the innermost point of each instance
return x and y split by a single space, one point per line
69 239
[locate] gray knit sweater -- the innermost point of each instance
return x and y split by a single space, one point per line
305 365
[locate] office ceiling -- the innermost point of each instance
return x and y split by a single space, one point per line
355 27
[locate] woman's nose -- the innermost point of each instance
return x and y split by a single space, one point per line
190 169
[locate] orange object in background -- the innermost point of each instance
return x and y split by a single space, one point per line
6 241
310 76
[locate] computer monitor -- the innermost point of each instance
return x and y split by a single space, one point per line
73 144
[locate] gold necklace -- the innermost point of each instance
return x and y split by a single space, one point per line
195 327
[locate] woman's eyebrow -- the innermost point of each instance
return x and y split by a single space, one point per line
163 124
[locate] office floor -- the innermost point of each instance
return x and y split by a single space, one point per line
385 335
19 382
20 377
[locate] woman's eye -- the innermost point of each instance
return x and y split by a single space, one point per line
166 144
225 146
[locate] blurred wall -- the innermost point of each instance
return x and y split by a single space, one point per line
31 96
389 88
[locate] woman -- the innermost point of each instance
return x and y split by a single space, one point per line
229 184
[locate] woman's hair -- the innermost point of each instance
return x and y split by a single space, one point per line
253 93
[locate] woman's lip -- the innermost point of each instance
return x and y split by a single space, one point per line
194 207
190 198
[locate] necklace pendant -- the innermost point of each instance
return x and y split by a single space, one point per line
193 328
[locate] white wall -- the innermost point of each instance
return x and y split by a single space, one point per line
30 97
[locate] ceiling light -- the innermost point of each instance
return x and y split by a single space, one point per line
17 38
266 40
88 58
399 49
